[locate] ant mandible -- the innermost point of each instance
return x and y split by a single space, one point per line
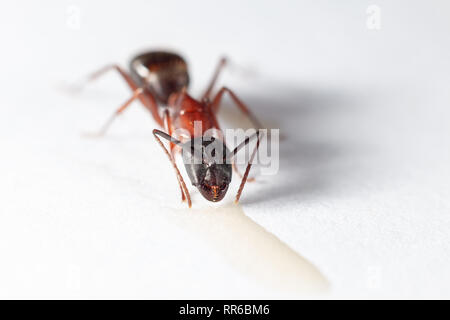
159 80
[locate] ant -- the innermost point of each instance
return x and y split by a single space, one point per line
159 79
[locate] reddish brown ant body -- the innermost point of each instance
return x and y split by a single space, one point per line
159 80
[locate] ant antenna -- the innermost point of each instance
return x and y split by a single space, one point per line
233 153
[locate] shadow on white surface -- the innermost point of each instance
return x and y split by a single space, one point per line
316 149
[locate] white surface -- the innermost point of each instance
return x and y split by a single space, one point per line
363 191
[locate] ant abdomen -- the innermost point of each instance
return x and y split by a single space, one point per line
160 72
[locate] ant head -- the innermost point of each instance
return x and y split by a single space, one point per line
207 168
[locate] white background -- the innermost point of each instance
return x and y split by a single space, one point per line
363 191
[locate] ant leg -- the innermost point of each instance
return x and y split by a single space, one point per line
216 104
256 123
168 125
249 165
235 169
119 111
97 74
183 187
146 99
213 81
